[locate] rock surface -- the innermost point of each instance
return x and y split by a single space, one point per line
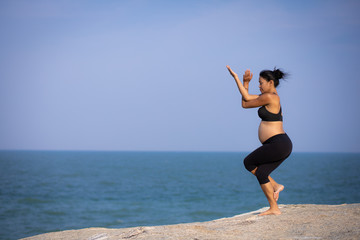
305 221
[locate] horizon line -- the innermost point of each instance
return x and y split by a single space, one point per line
159 151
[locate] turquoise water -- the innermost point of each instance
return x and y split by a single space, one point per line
50 191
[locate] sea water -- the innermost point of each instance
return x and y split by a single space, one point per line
46 191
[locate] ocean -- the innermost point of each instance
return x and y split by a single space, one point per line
46 191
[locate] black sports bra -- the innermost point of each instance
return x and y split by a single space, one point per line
267 116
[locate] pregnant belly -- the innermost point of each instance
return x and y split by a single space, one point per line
269 129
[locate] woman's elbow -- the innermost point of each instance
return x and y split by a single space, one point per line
244 105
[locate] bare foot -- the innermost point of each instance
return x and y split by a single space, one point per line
277 192
271 212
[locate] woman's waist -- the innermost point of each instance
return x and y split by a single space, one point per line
282 138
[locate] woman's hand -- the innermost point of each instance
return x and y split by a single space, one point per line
243 88
232 73
247 76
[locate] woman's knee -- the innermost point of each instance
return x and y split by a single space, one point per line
249 165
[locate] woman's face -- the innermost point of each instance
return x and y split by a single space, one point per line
264 85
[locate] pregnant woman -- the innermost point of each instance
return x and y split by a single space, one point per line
276 145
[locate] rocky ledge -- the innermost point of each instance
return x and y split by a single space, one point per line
303 221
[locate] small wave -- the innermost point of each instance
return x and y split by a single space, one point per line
107 183
33 201
55 213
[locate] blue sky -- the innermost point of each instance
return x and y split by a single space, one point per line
150 75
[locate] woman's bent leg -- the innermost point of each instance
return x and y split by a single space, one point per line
263 161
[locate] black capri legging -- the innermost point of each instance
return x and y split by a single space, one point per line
269 156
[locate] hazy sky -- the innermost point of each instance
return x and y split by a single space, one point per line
151 75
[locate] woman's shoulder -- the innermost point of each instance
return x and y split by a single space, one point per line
272 98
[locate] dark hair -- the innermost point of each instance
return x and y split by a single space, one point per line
274 75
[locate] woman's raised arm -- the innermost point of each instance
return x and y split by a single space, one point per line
243 88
